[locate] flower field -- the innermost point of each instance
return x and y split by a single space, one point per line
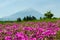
30 31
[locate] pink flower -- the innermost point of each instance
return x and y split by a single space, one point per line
33 39
9 33
1 31
8 38
27 28
21 36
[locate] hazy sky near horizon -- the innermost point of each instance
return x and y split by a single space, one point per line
9 7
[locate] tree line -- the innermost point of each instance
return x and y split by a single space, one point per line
47 15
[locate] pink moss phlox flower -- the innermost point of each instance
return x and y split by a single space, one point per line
49 32
1 31
27 28
41 29
21 35
9 33
33 39
8 38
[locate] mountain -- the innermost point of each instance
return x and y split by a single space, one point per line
22 14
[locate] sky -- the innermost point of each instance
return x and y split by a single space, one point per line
9 7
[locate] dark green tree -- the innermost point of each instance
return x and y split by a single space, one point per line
48 14
33 18
54 18
29 18
19 19
40 18
24 19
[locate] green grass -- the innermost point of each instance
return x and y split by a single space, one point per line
41 20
